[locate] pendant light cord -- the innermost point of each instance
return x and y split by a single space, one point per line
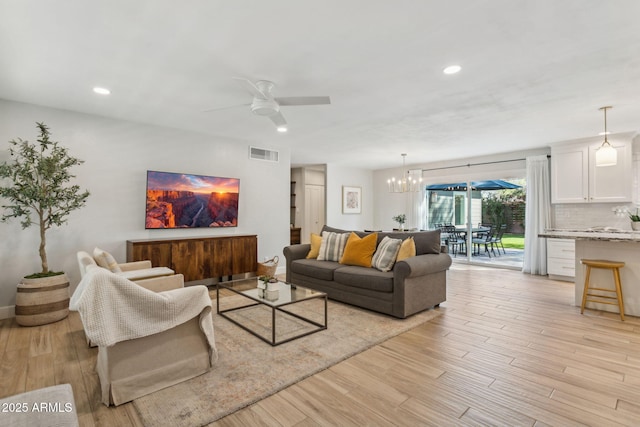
606 140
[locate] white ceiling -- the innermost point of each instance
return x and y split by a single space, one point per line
534 71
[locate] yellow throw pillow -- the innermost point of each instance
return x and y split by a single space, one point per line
316 241
359 251
407 249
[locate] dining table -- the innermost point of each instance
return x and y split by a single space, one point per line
475 231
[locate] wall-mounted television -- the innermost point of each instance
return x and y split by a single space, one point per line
179 200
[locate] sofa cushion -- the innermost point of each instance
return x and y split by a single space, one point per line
323 270
316 241
386 253
364 278
407 249
359 250
332 246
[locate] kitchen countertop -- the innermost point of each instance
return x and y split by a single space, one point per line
593 233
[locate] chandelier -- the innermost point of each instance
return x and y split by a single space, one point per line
407 182
606 155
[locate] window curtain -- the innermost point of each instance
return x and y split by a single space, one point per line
538 215
418 208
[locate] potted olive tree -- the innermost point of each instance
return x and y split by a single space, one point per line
35 186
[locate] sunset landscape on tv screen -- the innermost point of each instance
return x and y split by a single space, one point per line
177 200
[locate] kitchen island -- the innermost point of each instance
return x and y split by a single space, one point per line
610 244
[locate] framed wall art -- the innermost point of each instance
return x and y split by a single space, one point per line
351 200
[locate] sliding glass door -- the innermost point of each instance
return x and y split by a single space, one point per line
489 214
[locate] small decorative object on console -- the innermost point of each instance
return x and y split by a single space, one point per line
400 219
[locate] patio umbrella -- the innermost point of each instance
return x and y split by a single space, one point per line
493 184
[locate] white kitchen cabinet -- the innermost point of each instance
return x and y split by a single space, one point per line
570 174
561 258
576 179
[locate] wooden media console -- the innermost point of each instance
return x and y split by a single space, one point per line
199 258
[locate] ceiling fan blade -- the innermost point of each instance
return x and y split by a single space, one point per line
278 119
251 87
226 108
303 100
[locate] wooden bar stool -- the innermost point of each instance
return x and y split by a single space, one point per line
615 267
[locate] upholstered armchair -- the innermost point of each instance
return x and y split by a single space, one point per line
137 270
146 340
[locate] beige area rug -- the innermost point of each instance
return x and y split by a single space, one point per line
249 369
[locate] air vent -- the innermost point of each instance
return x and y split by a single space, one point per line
256 153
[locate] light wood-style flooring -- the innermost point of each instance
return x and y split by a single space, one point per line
508 349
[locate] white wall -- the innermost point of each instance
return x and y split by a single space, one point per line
339 176
117 155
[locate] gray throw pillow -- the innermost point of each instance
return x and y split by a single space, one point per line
332 246
385 256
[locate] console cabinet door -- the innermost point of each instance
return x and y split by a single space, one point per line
158 253
244 254
187 257
218 257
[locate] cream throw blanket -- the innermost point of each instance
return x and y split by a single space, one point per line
114 309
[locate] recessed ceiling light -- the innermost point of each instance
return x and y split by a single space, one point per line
282 129
452 69
101 91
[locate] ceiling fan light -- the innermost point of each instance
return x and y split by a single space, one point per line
606 155
264 107
281 129
452 69
101 91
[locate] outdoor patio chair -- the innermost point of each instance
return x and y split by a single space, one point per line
484 238
497 239
455 240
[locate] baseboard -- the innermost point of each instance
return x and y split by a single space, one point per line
562 278
7 312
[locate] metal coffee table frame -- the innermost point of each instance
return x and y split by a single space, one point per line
293 291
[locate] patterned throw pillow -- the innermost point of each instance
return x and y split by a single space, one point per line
316 241
359 250
407 249
105 260
332 246
386 254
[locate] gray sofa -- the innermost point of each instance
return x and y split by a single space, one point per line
415 284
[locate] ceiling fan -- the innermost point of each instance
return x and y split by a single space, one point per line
265 104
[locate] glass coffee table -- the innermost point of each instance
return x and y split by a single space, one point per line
287 295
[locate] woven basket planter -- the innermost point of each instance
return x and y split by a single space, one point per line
41 301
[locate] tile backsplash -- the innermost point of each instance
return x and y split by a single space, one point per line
585 215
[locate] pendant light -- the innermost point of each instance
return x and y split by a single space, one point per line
406 183
606 155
